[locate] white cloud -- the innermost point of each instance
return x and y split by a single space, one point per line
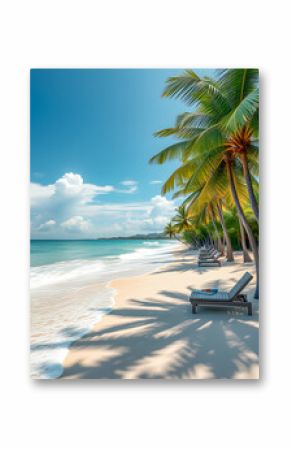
129 183
74 224
161 205
159 212
39 193
131 186
134 218
47 226
69 186
156 182
72 184
68 207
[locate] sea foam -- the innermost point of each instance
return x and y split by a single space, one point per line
69 297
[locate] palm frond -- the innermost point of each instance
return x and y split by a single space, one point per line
191 88
178 177
182 132
205 168
175 151
243 113
236 84
192 119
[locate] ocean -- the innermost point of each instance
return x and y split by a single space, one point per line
69 290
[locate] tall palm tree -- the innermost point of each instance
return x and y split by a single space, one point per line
229 104
243 219
223 129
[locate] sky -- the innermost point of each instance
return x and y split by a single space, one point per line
91 139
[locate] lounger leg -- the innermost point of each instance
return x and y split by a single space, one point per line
250 312
194 308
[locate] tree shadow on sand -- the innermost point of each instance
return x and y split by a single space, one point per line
160 338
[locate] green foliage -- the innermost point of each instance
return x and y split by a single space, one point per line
170 230
182 220
223 124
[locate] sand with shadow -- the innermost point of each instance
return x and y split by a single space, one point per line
152 334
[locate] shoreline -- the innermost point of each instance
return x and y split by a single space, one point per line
155 324
46 366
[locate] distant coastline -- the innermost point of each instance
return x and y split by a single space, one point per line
151 236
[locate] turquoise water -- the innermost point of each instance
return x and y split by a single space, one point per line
58 261
69 281
44 252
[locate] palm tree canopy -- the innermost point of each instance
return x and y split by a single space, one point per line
224 120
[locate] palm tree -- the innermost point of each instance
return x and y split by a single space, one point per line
246 255
222 130
239 143
230 105
243 219
182 219
230 254
170 230
213 190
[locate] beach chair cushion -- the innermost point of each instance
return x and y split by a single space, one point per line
219 296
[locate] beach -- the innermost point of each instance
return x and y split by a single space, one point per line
150 333
70 290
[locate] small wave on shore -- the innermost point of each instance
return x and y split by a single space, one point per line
151 244
69 297
63 271
58 320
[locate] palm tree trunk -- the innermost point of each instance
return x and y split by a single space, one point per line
246 255
248 178
220 245
244 221
219 242
230 255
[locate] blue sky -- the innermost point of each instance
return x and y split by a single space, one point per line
91 138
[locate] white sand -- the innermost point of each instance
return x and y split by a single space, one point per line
152 334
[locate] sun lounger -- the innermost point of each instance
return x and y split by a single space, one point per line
233 298
205 253
206 256
210 261
213 254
